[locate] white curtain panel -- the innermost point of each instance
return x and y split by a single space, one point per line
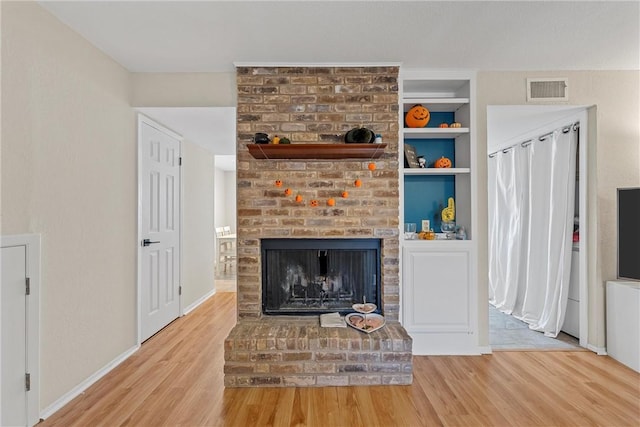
492 200
507 203
531 208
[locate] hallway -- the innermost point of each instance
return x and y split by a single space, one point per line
508 333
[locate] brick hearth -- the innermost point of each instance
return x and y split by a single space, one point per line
282 352
315 105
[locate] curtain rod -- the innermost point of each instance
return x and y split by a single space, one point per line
575 126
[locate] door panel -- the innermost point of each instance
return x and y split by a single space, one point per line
160 224
14 336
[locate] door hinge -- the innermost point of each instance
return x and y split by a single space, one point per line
27 282
179 290
27 381
179 161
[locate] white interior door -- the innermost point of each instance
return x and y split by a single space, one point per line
14 336
159 204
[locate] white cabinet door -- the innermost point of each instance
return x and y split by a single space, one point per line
438 298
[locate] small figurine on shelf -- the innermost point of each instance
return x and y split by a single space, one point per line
448 216
461 233
422 162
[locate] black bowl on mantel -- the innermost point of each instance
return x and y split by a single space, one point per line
261 138
359 135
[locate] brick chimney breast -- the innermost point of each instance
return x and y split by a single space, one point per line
316 105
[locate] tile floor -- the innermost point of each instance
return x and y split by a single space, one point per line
508 333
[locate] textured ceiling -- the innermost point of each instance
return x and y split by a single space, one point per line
209 36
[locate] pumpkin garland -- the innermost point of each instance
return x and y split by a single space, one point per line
331 201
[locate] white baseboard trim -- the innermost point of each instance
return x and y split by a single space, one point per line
485 349
77 390
443 344
199 301
600 351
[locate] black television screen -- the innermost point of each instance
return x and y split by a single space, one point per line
629 233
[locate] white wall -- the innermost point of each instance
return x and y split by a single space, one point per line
69 173
183 89
198 231
509 124
225 198
615 94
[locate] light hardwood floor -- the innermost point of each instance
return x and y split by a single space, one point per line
176 379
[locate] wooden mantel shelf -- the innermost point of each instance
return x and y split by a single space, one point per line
316 151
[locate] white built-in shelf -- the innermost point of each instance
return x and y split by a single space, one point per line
436 171
433 133
435 104
444 244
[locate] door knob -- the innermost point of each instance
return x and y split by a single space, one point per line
147 242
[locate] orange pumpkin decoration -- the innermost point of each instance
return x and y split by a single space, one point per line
331 202
372 166
287 192
278 183
345 194
357 183
444 125
417 116
442 162
314 203
298 198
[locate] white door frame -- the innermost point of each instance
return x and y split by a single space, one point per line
32 244
144 119
586 151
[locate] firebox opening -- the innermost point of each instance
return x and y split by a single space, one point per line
315 276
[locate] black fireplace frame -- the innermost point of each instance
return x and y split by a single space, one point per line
267 244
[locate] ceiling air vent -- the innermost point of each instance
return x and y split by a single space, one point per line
548 90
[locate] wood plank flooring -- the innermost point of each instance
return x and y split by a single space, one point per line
176 379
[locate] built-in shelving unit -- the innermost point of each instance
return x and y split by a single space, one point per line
433 133
316 151
427 190
439 277
436 171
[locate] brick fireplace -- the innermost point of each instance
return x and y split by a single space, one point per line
315 105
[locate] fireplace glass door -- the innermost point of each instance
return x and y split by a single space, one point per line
314 276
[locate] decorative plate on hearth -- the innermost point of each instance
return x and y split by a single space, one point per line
364 308
365 322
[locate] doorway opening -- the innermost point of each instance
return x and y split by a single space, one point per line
516 126
208 176
225 223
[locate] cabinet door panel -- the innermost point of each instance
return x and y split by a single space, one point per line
437 289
